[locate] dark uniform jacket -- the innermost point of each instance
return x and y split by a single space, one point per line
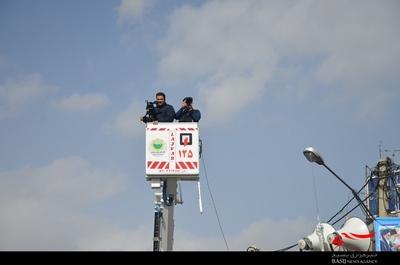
183 115
163 113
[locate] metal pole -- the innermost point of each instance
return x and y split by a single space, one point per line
355 194
167 228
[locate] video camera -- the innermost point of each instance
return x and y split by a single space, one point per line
150 105
150 115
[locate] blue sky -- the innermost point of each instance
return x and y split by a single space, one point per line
270 78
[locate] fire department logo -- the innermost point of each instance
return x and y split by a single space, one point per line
186 139
157 147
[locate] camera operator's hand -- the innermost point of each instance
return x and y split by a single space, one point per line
186 106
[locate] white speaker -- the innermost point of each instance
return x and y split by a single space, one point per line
312 242
353 236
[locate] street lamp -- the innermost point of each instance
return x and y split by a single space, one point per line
313 155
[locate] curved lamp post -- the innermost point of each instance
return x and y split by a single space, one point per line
313 155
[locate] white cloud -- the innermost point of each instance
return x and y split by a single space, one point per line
42 205
82 103
235 49
132 10
17 94
128 123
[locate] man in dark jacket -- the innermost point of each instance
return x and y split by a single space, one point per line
162 112
187 113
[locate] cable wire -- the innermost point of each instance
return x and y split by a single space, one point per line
213 202
315 191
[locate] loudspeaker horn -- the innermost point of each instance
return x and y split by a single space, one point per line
312 242
353 236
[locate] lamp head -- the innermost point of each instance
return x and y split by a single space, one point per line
312 155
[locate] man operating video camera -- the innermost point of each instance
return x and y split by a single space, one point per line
161 112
